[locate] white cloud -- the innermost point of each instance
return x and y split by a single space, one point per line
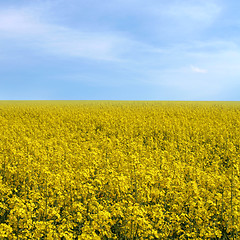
32 27
213 69
15 23
201 11
198 70
26 27
181 21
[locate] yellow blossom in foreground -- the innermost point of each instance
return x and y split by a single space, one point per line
119 170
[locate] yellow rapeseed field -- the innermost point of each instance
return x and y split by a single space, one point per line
119 170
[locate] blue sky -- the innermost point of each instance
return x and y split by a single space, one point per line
120 50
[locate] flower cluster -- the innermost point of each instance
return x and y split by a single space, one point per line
119 170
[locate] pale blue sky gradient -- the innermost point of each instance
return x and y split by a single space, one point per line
120 50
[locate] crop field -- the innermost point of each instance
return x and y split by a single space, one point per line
119 170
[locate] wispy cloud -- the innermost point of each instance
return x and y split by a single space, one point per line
33 27
183 20
198 70
28 29
172 45
201 11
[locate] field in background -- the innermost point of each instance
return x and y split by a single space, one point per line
119 170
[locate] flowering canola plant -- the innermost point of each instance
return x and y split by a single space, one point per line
119 170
